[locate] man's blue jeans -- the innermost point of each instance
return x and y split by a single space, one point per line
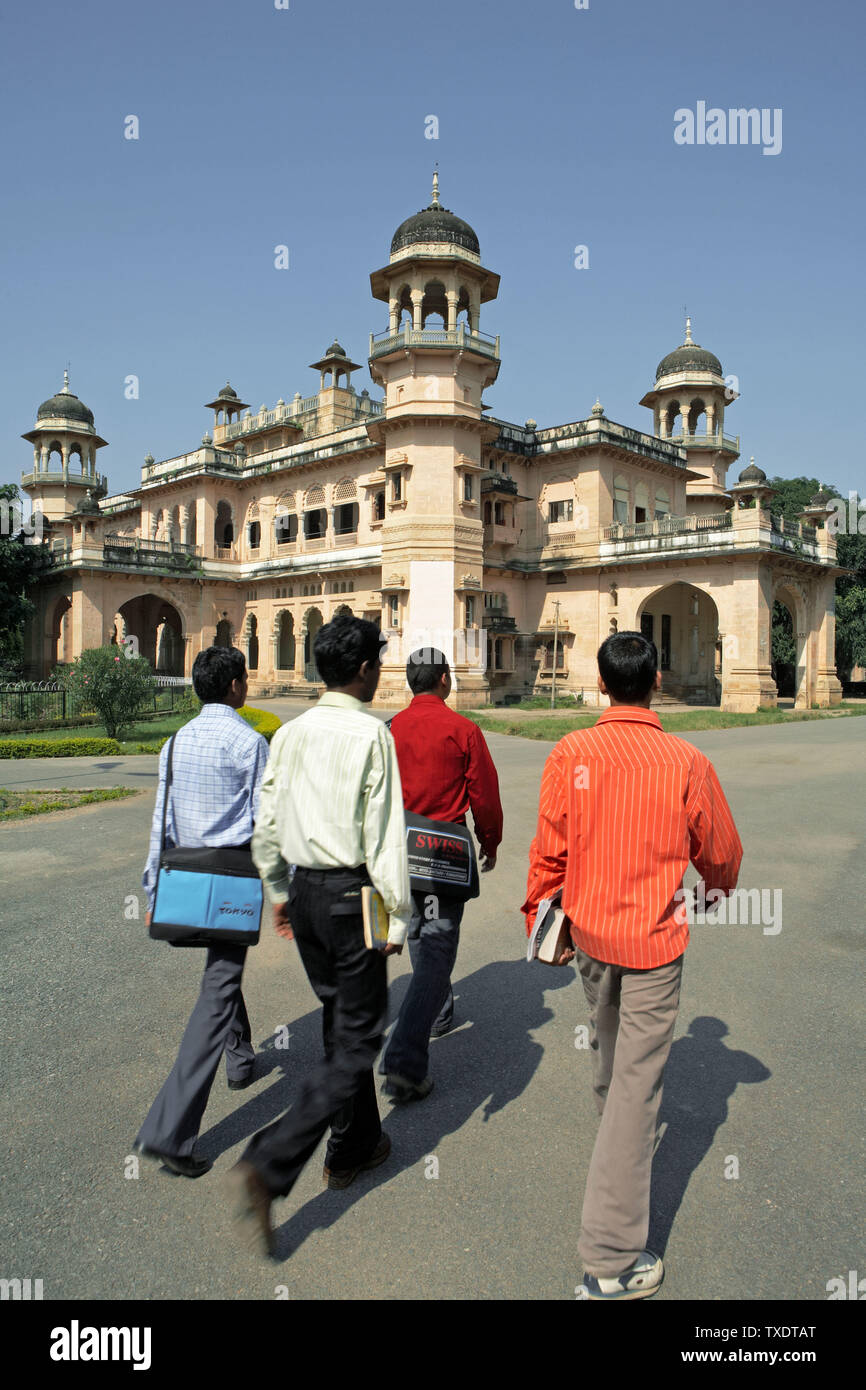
434 935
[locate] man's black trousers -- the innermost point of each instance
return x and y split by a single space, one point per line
351 982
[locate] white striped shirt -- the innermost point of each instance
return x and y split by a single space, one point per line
331 797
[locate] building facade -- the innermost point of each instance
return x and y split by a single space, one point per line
514 548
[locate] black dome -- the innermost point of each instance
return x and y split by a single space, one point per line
753 474
66 405
821 498
434 223
689 357
88 505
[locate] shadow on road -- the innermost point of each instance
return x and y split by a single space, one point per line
701 1076
487 1064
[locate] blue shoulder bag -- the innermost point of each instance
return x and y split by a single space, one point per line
206 895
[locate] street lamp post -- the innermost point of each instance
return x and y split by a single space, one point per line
555 646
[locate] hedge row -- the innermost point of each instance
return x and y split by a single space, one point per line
261 720
58 747
37 726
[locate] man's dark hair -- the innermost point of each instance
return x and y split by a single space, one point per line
425 668
627 663
213 671
343 645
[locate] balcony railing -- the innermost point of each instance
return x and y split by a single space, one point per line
343 538
460 337
707 441
496 621
133 550
97 482
663 526
288 415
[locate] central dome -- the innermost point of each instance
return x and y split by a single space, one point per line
691 357
435 223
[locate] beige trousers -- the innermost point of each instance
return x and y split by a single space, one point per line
632 1017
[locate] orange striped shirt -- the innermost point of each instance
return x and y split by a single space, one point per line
623 808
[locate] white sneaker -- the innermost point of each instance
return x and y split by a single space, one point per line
640 1280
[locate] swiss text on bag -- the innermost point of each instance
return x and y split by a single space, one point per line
442 858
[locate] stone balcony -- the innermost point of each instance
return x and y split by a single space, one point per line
449 338
677 535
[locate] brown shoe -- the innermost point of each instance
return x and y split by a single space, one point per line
251 1207
344 1176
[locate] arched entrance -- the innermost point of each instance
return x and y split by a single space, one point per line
158 628
790 670
223 634
61 631
683 621
252 642
285 642
312 622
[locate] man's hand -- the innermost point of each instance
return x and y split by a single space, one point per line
390 949
282 925
148 917
566 956
488 862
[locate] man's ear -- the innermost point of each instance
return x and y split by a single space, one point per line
602 687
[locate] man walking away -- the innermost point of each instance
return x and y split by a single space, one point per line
623 808
332 806
445 768
217 768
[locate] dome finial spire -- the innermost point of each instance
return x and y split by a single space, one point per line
66 379
689 338
435 199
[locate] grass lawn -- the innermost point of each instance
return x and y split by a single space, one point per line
15 805
556 725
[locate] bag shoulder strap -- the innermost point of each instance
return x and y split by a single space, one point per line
167 790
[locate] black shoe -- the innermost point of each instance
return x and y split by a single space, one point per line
440 1029
344 1176
400 1088
186 1167
241 1083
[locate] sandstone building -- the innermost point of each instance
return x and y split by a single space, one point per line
515 548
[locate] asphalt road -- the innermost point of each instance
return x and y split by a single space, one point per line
764 1070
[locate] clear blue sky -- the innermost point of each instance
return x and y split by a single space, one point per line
306 127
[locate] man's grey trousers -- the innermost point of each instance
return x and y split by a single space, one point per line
632 1017
218 1024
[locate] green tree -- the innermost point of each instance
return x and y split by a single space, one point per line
116 686
792 495
22 559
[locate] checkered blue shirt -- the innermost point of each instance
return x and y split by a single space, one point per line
217 768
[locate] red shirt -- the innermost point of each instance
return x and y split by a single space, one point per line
446 768
623 808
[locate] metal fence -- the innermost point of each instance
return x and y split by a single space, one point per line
37 700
